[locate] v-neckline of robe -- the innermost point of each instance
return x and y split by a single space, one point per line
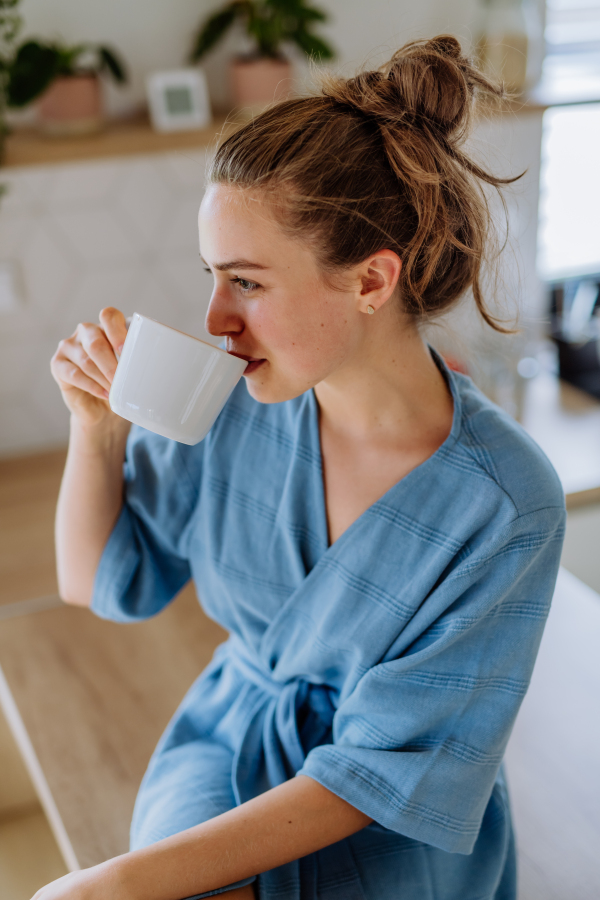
444 446
268 646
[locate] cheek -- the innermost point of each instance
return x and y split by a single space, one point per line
313 336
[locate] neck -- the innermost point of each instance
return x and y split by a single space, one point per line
391 388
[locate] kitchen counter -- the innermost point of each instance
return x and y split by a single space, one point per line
565 422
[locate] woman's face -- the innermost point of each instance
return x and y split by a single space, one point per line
270 300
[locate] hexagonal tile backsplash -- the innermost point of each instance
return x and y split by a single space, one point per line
85 235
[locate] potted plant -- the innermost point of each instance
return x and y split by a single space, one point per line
264 74
65 80
10 25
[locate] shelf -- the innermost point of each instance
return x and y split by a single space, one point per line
28 147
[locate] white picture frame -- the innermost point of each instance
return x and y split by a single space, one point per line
178 100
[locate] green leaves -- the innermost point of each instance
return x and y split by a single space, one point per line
10 25
214 29
32 70
36 65
111 63
67 58
312 45
267 30
270 23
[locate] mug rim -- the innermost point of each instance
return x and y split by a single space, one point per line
186 334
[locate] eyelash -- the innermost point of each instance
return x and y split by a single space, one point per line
250 285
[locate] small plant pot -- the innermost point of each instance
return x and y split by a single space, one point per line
71 106
257 82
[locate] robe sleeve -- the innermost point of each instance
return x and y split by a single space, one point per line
145 561
418 741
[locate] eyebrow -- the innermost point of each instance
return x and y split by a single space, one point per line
235 264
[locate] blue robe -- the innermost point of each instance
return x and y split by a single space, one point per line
388 666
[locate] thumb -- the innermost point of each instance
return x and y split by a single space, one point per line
115 327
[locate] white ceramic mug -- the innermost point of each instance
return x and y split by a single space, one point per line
170 382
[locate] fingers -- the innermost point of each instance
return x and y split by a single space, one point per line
69 377
72 368
86 362
75 353
115 327
96 345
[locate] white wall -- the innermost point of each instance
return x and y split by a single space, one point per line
82 236
155 34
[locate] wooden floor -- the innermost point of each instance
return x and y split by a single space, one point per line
552 761
87 699
29 857
93 698
28 491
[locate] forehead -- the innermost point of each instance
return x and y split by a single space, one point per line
231 217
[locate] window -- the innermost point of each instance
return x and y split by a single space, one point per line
572 27
569 243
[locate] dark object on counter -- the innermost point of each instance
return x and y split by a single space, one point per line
579 365
575 308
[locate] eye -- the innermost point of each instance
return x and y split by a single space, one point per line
206 269
245 286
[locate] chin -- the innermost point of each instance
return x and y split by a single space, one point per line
271 390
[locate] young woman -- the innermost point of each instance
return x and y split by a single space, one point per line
379 539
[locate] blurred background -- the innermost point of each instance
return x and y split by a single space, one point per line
108 113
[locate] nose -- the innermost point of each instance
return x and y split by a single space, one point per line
222 317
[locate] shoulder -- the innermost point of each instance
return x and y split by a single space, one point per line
503 452
153 459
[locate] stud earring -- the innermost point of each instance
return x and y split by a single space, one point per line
370 310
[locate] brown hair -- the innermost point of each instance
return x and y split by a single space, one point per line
375 162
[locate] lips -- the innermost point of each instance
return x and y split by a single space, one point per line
253 361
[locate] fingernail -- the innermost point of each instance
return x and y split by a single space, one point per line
105 394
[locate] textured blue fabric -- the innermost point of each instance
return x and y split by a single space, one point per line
389 667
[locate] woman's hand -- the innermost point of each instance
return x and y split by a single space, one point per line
287 822
84 366
91 494
98 883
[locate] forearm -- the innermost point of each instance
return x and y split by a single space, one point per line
286 823
91 497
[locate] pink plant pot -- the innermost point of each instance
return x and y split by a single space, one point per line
257 82
71 105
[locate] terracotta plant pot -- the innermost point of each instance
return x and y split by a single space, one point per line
71 105
257 82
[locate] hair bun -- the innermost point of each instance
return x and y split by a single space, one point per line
448 45
433 83
428 84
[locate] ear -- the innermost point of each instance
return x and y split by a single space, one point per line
379 275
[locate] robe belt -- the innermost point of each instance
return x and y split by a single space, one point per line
285 721
247 663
